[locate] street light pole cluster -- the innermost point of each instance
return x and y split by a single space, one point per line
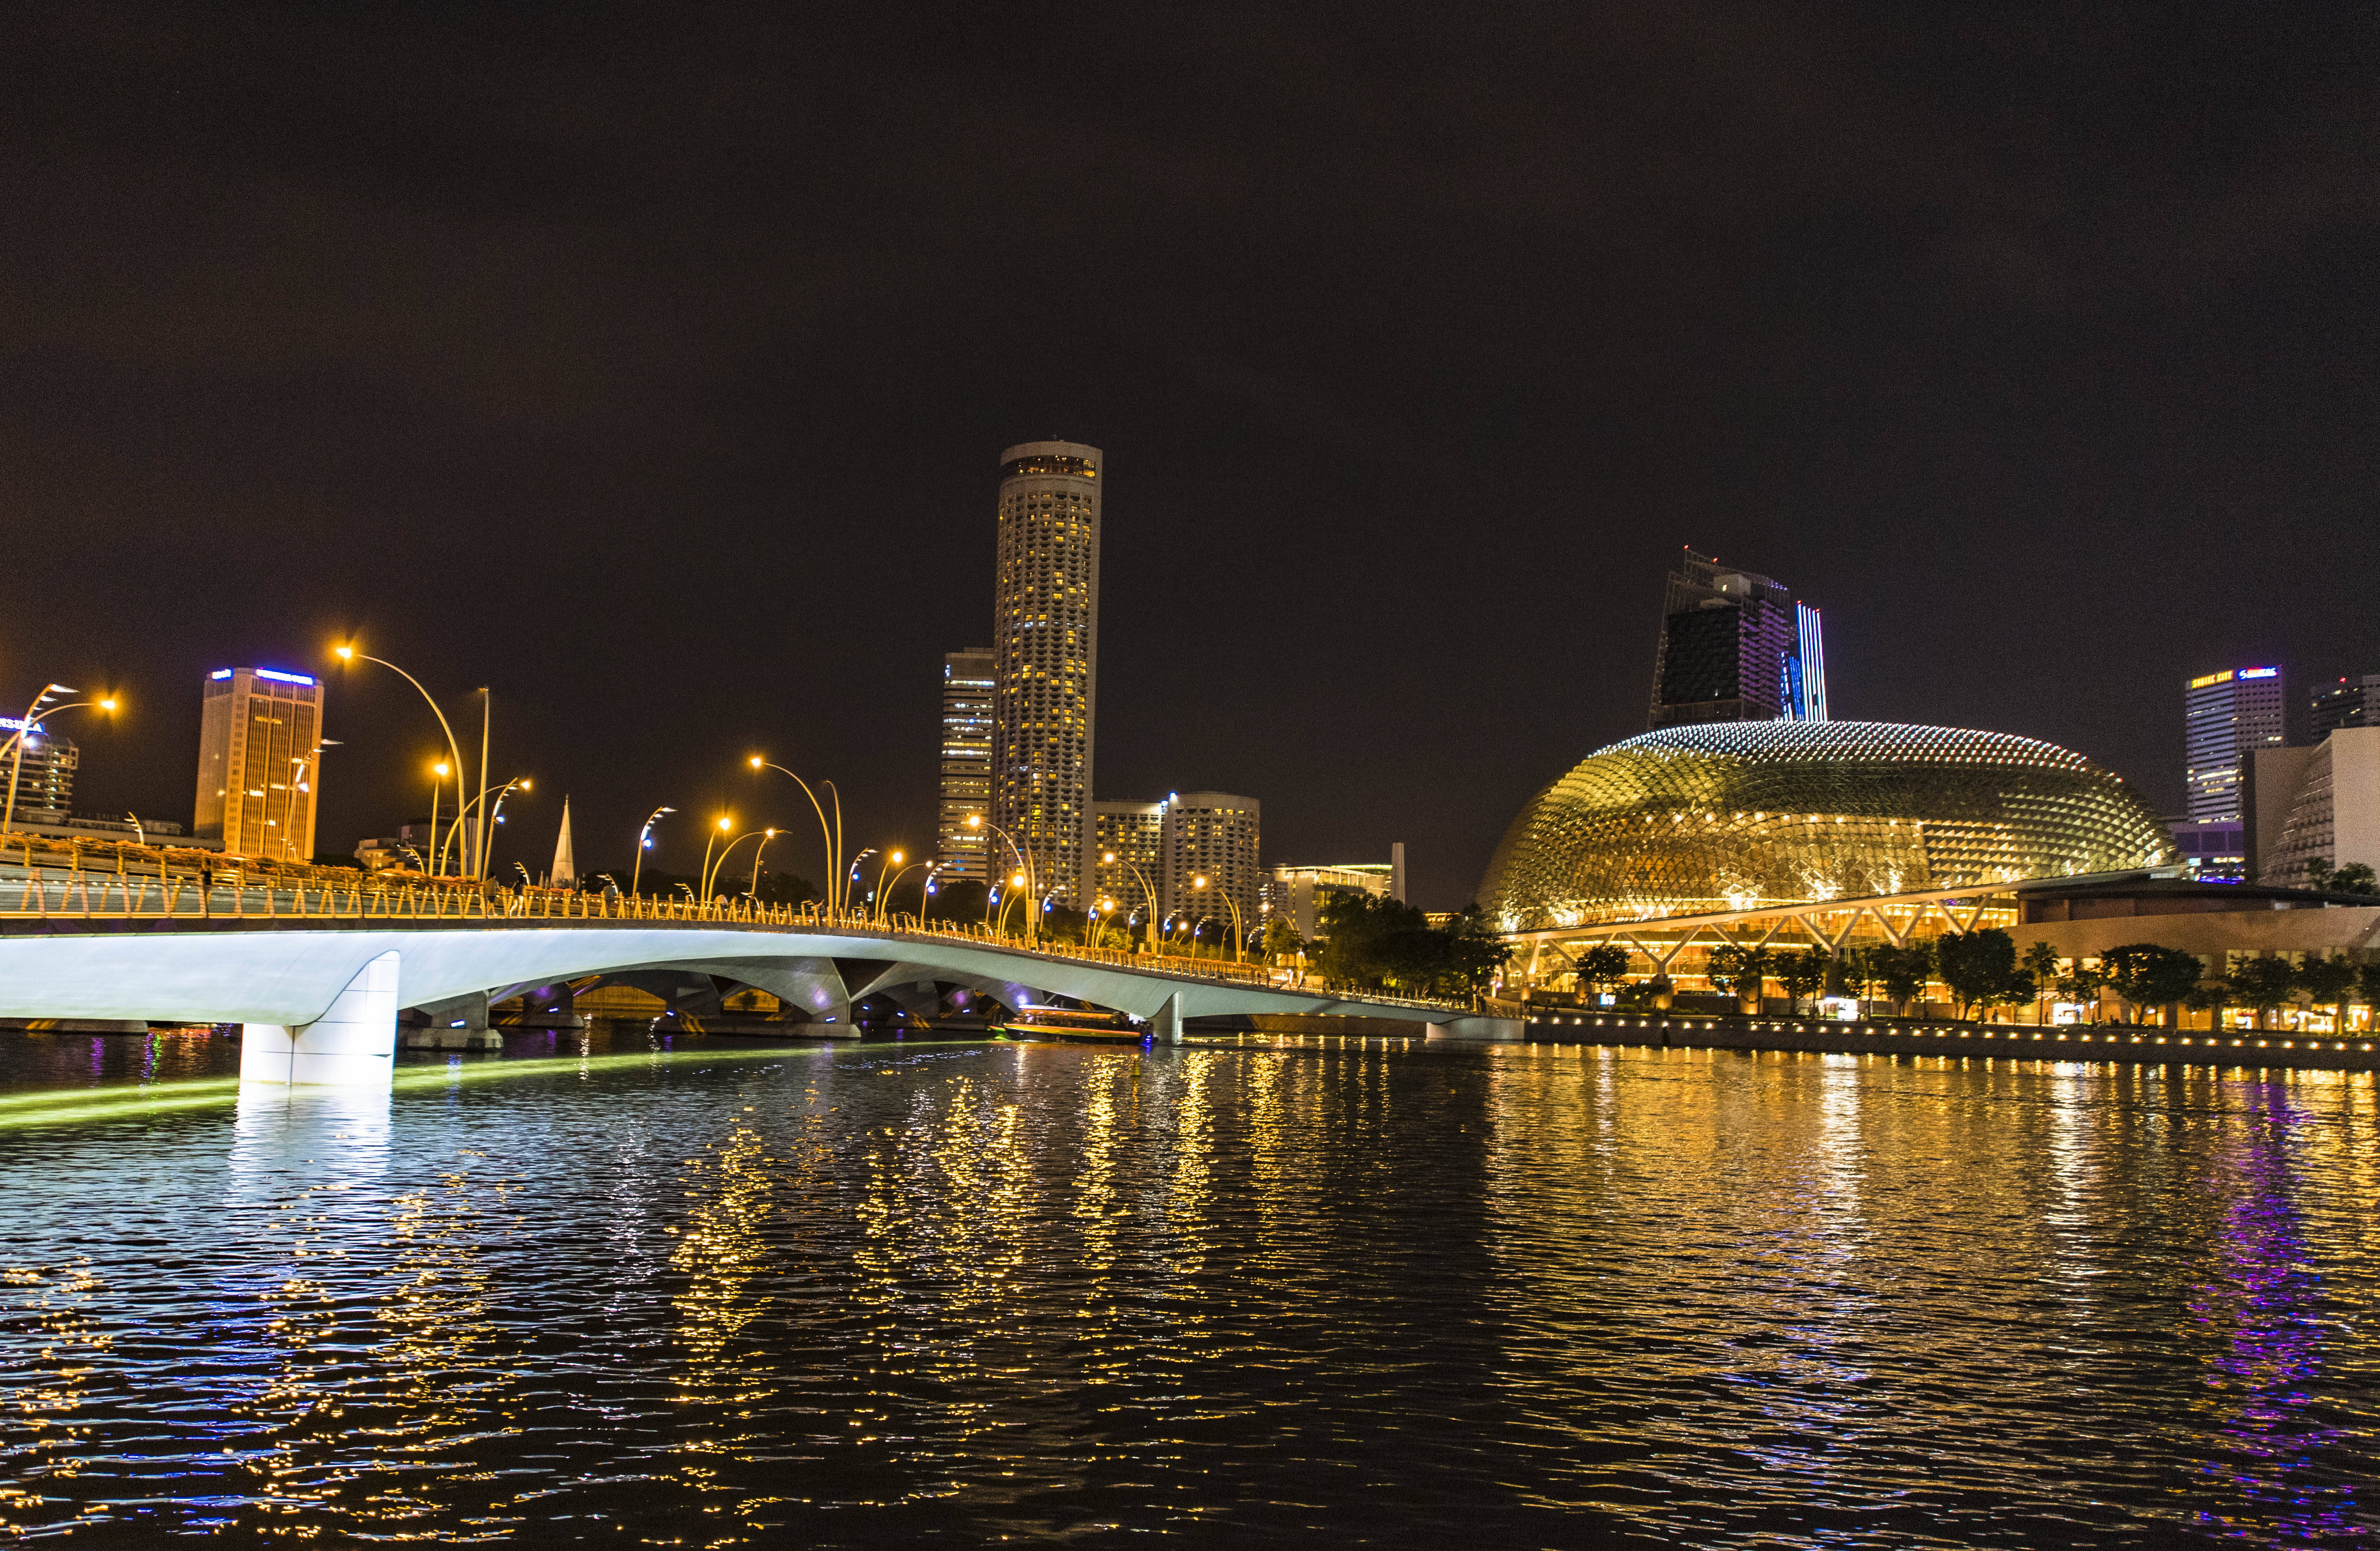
33 714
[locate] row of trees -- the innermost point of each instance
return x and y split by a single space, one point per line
1377 944
1982 970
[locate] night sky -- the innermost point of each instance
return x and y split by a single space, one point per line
653 368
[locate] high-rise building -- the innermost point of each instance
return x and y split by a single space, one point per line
967 680
44 773
1133 834
2314 810
260 756
1046 648
2349 703
2226 717
1213 836
1736 647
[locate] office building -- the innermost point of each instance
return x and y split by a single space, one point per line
1046 660
2216 851
2311 809
2349 703
1213 836
1133 834
967 679
260 757
44 773
1735 647
1299 895
2227 716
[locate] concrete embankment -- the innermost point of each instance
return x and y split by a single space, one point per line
2009 1040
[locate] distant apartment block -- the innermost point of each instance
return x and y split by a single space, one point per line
1214 836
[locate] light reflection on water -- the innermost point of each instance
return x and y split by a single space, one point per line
1544 1295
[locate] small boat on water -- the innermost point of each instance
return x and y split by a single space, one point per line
1072 1023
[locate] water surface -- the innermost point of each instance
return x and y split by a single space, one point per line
1379 1291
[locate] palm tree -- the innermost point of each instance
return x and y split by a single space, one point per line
2041 961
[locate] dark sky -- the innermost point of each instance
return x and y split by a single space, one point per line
653 367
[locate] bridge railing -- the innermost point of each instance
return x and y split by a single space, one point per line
162 891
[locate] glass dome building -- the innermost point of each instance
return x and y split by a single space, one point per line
1743 815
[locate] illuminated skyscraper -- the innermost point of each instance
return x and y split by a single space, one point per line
2226 717
260 757
967 680
1047 647
1735 647
1212 836
1133 833
44 773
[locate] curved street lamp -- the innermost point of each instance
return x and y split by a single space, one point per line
1201 882
348 653
884 892
722 827
831 837
644 844
33 714
1024 867
1147 888
711 876
464 853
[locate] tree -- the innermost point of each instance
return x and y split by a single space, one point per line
1281 939
2330 981
1903 971
1862 973
1602 967
2317 871
2148 975
2264 983
2081 984
2041 962
2018 988
1977 966
1802 975
2356 877
1740 970
2367 984
2210 996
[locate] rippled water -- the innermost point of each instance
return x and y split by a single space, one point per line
1374 1291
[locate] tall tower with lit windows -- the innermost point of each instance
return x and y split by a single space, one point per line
260 762
1046 648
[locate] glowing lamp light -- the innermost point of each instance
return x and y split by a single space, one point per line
1018 880
726 823
440 767
896 859
757 762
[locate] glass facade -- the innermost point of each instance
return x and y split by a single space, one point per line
1045 649
2226 715
1730 816
967 679
260 754
1735 647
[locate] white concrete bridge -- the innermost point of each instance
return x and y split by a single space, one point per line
317 973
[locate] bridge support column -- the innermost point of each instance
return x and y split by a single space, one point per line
1167 1025
1498 1029
353 1044
456 1023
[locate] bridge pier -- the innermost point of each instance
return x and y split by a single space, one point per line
456 1023
352 1044
1167 1025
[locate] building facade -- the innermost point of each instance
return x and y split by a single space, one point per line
1046 649
44 773
1213 837
2226 715
967 680
2315 809
1299 895
1735 647
2349 703
260 757
1133 833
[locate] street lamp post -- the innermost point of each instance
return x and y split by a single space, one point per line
891 859
33 714
476 846
437 852
722 827
1147 888
1201 882
644 844
711 876
832 838
850 882
346 654
1024 867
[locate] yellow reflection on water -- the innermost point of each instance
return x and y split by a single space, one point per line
45 1444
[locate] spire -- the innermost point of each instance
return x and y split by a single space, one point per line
565 866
